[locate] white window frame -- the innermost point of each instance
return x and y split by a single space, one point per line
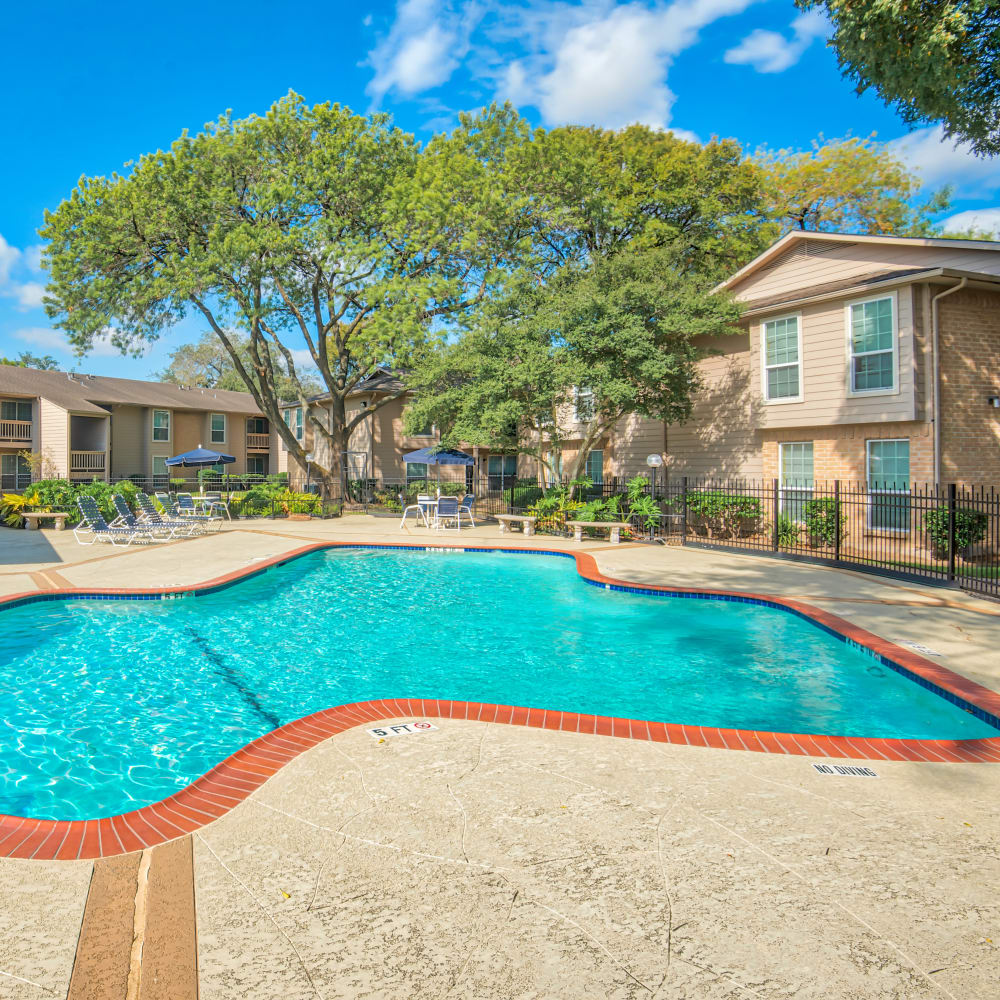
297 424
211 429
578 393
586 468
764 366
154 428
862 393
152 466
882 492
796 489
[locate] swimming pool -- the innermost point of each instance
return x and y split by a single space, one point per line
108 706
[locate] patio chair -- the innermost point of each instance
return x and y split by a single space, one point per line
213 502
175 526
424 505
448 509
185 508
126 519
468 502
92 522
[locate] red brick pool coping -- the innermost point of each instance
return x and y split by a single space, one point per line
234 779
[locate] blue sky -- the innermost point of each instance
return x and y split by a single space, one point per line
113 81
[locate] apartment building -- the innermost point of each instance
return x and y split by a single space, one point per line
868 359
82 427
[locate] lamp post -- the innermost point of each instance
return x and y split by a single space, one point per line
654 462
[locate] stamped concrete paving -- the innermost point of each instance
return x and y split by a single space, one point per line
488 861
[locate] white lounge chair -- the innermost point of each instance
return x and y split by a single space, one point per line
92 521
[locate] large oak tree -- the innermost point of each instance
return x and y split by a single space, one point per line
307 228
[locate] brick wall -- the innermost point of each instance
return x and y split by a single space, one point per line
839 452
969 348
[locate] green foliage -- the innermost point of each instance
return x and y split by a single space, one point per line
970 528
416 487
59 494
523 493
28 360
645 510
847 185
207 364
723 514
11 507
626 234
820 518
788 532
933 60
556 508
305 224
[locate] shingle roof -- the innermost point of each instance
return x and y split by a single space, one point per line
82 393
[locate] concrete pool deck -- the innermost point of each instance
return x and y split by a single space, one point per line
494 861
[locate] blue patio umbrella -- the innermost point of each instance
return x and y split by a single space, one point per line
200 458
439 456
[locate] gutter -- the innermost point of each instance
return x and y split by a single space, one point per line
936 374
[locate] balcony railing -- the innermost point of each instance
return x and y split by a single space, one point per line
15 431
86 461
259 442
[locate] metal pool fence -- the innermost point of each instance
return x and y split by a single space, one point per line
948 534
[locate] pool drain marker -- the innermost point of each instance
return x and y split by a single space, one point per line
401 729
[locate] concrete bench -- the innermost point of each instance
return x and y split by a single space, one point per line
31 519
614 528
527 520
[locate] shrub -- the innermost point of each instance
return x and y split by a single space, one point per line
556 508
725 514
418 486
788 532
821 521
11 507
523 493
970 528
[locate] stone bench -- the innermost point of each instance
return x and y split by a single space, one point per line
31 519
614 528
527 520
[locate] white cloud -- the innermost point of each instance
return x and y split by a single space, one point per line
771 52
594 62
425 45
983 219
606 65
43 338
940 161
16 264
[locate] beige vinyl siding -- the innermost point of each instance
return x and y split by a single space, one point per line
186 432
825 369
53 422
720 439
816 263
128 446
632 439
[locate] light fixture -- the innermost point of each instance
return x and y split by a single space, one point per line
654 461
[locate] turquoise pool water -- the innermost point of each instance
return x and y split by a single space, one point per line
106 706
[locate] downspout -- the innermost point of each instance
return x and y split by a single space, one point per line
936 375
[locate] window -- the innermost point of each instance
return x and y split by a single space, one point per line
872 335
218 434
782 348
161 425
795 472
257 464
416 470
595 467
15 409
501 470
257 425
553 475
160 472
583 406
218 428
889 484
425 432
294 420
15 473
